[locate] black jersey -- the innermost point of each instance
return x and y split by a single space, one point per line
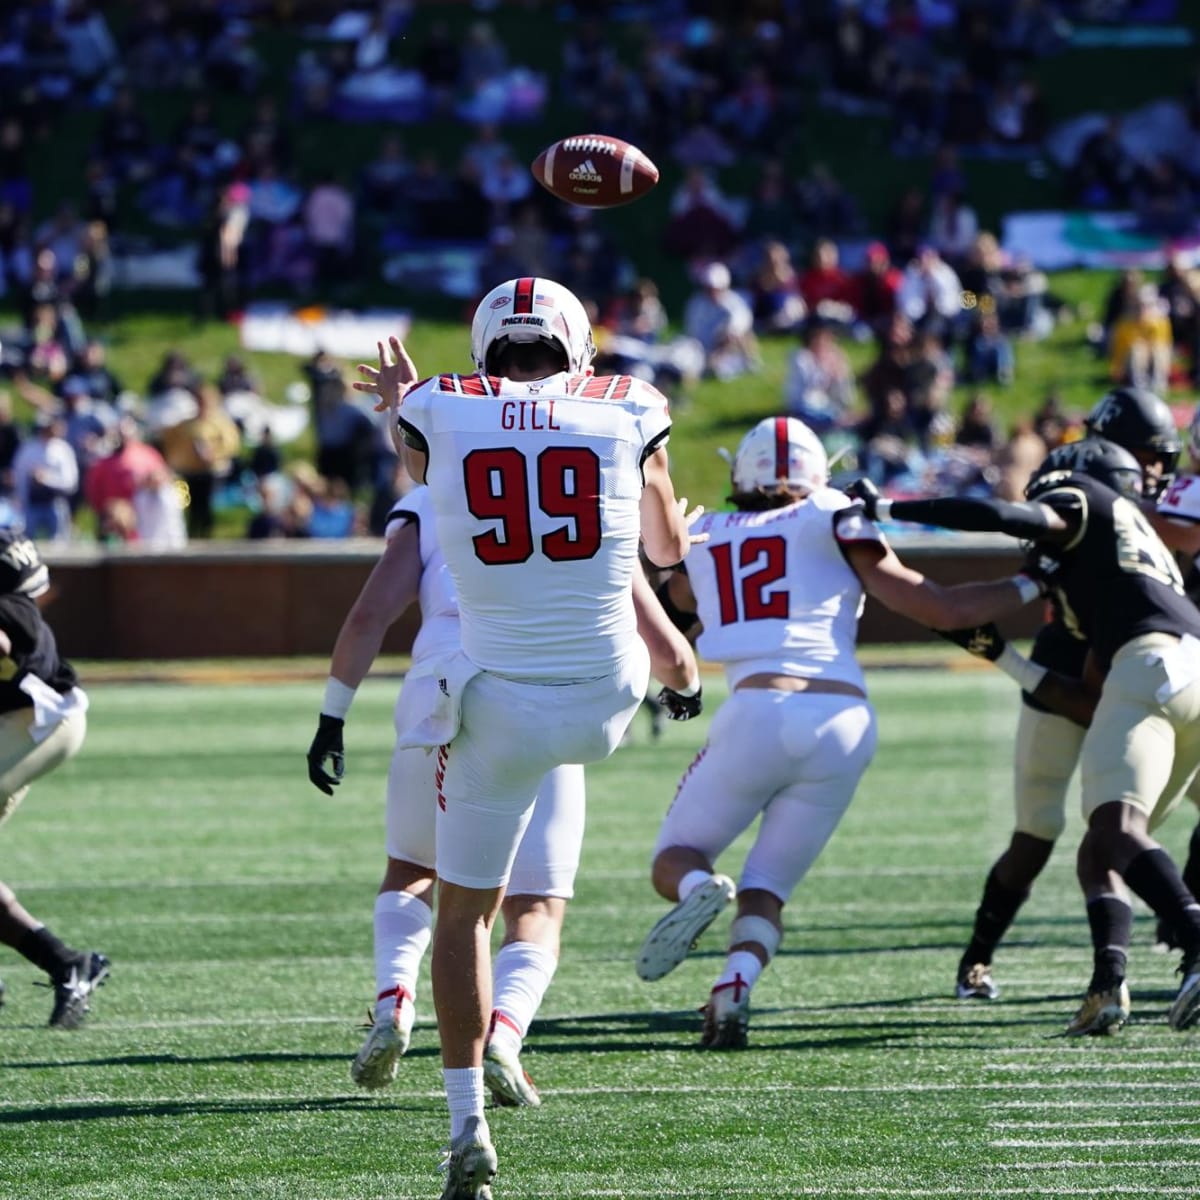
1056 647
34 652
1115 579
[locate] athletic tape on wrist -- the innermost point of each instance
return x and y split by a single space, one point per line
758 930
692 688
338 698
1018 667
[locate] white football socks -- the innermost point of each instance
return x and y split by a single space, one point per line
464 1093
691 881
741 966
521 973
403 927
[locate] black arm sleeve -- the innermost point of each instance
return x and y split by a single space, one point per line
1020 518
680 618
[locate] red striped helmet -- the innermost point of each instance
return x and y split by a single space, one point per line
778 452
532 310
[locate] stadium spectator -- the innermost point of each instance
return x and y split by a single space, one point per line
237 376
1018 458
1102 174
1051 422
134 475
222 259
92 278
775 292
977 429
953 227
889 442
175 373
930 293
45 478
1141 346
701 223
819 387
10 439
329 224
202 451
988 351
87 424
722 322
876 285
42 725
1163 198
1179 290
827 288
890 369
345 434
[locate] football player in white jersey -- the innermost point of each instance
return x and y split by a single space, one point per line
412 568
778 588
541 478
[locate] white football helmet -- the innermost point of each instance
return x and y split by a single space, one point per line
531 310
780 451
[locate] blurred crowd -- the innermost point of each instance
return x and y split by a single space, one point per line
938 305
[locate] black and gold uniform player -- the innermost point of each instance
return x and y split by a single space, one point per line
1047 745
42 724
1117 586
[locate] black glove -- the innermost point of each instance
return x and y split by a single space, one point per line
327 744
679 707
983 641
1041 568
866 493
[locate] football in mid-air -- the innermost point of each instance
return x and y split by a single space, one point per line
594 170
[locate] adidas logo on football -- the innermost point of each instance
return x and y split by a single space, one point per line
585 173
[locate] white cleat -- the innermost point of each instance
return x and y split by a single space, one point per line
503 1073
1185 1011
376 1064
669 942
727 1017
470 1164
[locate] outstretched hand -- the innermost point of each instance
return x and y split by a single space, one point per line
690 519
390 380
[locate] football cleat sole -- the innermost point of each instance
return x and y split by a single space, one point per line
673 937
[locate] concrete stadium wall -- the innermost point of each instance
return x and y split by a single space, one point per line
279 599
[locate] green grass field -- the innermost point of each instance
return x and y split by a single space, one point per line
235 902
